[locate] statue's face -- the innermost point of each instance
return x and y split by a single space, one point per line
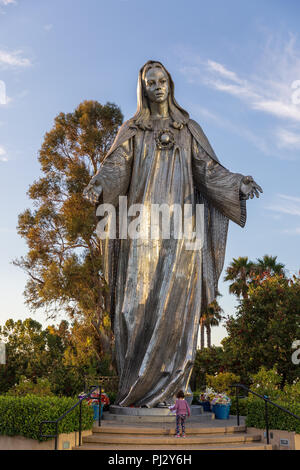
156 85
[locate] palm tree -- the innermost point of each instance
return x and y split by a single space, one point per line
210 317
202 331
269 264
239 271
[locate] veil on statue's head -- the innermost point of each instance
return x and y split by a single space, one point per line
142 115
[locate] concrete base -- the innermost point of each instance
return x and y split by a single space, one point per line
151 415
158 411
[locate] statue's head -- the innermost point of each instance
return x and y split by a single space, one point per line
156 84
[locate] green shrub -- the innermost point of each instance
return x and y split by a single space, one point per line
292 392
267 382
21 416
42 387
278 419
243 406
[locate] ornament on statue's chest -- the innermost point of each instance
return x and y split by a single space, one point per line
165 139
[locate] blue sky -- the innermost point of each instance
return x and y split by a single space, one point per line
234 64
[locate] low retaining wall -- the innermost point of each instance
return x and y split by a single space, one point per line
281 440
65 442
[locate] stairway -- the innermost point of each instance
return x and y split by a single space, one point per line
156 436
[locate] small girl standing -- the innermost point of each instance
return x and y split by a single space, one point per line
182 409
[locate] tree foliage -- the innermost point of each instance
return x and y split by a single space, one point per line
221 383
265 326
41 387
242 272
63 262
46 361
212 316
207 361
31 352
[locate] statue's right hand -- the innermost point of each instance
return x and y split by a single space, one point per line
92 191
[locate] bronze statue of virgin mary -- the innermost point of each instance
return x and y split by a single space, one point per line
158 286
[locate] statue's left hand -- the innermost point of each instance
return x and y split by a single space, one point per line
249 188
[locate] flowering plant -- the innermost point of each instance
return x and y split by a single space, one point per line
208 395
221 399
94 398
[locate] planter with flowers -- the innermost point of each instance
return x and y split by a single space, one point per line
94 402
221 406
205 399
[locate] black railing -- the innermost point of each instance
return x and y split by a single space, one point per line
79 403
267 402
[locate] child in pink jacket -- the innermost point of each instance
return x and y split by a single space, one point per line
182 409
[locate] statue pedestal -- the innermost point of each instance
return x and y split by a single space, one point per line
155 415
128 411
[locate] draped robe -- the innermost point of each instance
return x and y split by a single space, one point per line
158 287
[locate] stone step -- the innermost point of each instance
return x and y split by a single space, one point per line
159 441
180 446
169 431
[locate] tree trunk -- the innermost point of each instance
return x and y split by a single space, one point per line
202 333
208 332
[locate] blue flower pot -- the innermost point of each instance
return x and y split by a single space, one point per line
205 405
221 411
96 411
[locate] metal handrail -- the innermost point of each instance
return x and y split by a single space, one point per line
87 395
266 400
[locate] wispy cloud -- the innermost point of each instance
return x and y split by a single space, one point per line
268 90
5 3
222 71
48 27
293 231
8 2
2 92
288 139
224 123
278 108
286 204
13 59
3 157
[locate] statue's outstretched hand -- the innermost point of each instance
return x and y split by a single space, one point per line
93 190
249 188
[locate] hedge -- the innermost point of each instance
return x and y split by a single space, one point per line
21 416
278 419
243 406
